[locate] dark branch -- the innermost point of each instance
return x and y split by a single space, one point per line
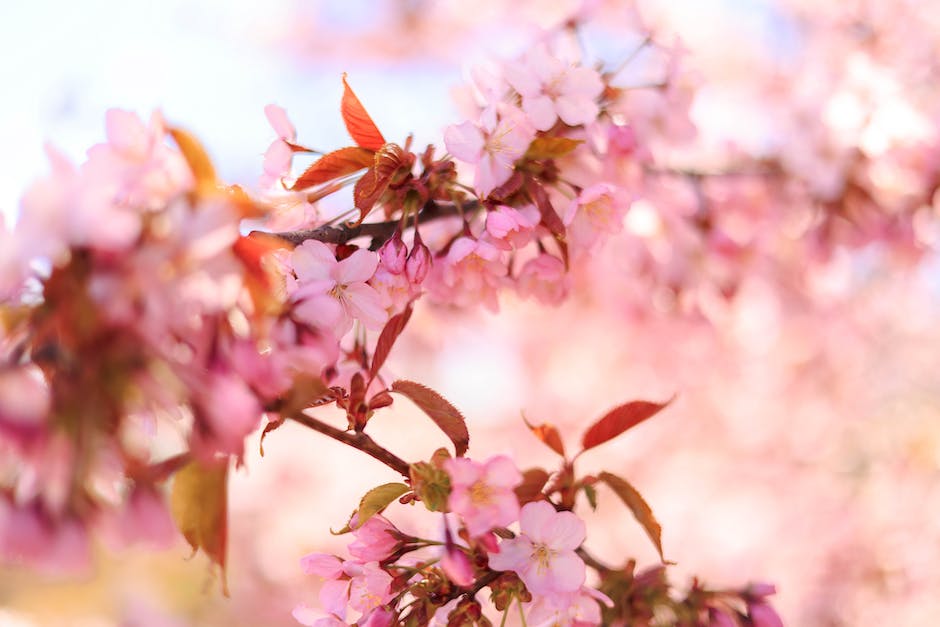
359 441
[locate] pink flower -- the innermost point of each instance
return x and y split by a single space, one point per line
543 554
393 254
544 278
374 542
551 89
599 210
493 145
330 293
419 261
471 273
510 228
762 615
349 584
227 411
457 565
572 608
395 290
482 494
277 159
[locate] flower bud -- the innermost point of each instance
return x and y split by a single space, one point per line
419 262
393 254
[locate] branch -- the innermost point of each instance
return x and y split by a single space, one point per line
380 232
359 441
592 561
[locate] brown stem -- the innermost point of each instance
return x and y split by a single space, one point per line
359 441
380 232
592 561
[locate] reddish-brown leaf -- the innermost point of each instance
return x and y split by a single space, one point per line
548 434
268 428
618 420
199 504
549 216
390 333
334 165
444 415
533 480
360 126
641 510
375 181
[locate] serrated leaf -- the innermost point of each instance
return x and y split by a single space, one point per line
197 159
334 165
390 332
375 181
533 480
199 505
548 434
551 147
641 510
358 122
618 420
444 415
377 499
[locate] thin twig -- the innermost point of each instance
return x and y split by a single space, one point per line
359 441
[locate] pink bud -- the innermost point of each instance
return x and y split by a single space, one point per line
762 615
393 253
717 618
457 565
419 261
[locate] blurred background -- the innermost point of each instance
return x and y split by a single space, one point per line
804 445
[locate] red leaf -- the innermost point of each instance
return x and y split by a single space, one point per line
641 510
334 165
360 126
444 415
549 216
533 480
390 333
618 420
548 434
375 181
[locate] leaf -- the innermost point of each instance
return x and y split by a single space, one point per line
549 216
551 147
444 415
360 126
199 504
641 510
548 434
375 181
390 333
271 426
334 165
197 159
533 480
377 499
618 420
591 493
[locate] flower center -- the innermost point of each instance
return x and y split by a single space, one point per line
481 493
542 556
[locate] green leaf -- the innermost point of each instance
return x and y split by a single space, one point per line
199 505
378 498
641 510
551 147
444 415
591 493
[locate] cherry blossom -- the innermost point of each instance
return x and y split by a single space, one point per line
482 493
277 158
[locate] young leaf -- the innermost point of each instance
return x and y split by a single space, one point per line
549 216
591 493
551 147
533 480
334 165
641 510
548 434
199 504
390 333
197 159
378 498
444 415
375 181
618 420
360 126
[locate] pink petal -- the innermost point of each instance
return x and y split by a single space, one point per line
277 117
322 564
462 471
541 111
490 174
324 312
521 78
513 554
576 110
567 572
502 472
126 131
582 81
313 260
564 532
464 141
306 615
334 596
534 517
356 268
365 304
277 159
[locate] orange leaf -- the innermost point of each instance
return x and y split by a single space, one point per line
199 504
444 415
360 126
533 480
375 181
618 420
548 434
334 165
197 159
551 147
640 508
